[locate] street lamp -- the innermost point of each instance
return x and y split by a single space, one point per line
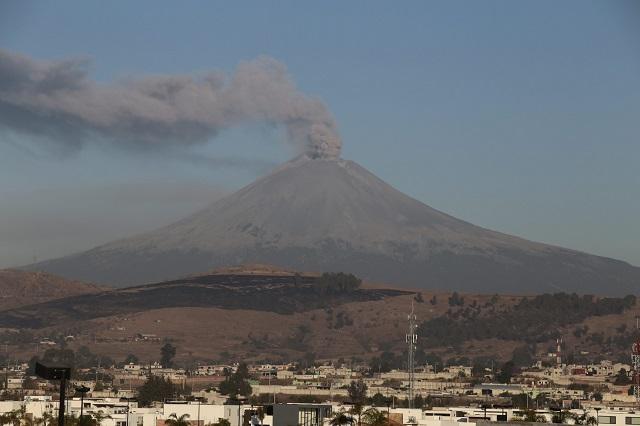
82 390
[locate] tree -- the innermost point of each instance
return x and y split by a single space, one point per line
337 283
622 378
174 420
237 383
357 392
560 416
373 417
341 419
418 401
99 416
521 356
379 400
357 410
131 359
156 388
531 416
13 417
582 419
456 299
386 362
506 372
168 352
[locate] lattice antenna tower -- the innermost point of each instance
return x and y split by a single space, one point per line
559 351
412 340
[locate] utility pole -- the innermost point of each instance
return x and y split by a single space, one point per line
82 390
411 340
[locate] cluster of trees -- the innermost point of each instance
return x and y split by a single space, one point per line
19 417
370 417
534 319
82 358
236 384
335 283
156 388
342 319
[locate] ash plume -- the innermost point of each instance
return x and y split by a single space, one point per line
57 102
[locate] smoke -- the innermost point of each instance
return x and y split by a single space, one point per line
57 103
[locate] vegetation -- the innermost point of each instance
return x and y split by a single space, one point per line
456 299
622 378
357 392
174 420
156 388
374 417
341 418
506 372
534 319
131 359
337 283
237 383
167 353
379 400
64 357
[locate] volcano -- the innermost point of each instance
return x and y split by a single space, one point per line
330 214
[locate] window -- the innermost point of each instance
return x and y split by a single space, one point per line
632 420
607 420
308 417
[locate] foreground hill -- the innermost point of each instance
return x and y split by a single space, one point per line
266 314
271 291
330 215
20 288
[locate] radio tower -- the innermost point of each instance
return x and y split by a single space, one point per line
635 361
412 339
559 351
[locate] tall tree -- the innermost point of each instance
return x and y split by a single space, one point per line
237 383
357 392
358 395
167 352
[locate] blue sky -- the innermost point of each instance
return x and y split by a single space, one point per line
518 116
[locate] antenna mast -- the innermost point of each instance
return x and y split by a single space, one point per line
559 351
411 339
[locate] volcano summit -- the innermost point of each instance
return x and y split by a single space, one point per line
329 214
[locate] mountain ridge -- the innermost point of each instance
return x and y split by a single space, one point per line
328 215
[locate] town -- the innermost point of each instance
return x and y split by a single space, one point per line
155 394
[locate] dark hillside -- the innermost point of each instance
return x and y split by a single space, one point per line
283 294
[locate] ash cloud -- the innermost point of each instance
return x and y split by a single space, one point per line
57 103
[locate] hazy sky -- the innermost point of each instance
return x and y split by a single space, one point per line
522 117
